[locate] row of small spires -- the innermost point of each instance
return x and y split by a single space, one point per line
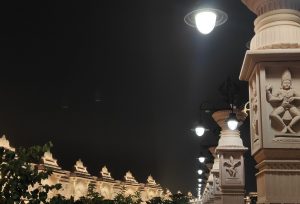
49 161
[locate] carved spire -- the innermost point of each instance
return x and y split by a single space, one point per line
80 168
49 161
150 180
5 143
105 173
129 177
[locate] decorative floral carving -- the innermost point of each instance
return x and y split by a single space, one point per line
231 166
254 108
285 114
217 184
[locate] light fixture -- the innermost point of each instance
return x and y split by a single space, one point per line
201 159
246 108
200 171
199 180
232 121
199 185
200 130
206 19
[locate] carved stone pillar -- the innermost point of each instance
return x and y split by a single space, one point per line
272 67
277 24
210 189
216 177
231 163
205 194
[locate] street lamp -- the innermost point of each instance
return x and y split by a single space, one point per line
205 19
232 121
201 159
200 130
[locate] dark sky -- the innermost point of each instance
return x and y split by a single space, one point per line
150 70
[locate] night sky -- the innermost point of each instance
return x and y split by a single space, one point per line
119 83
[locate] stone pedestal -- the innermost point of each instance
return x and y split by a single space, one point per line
216 176
277 24
272 67
211 195
205 196
231 161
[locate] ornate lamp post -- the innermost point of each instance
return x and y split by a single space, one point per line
231 161
272 68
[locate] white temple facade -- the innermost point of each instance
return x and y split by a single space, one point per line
75 183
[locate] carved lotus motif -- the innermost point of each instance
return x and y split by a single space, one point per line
231 166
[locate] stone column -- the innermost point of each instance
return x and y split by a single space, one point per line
272 67
210 189
231 164
205 194
216 176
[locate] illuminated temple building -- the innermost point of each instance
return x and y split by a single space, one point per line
75 183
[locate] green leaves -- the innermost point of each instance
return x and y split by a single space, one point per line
130 199
175 199
20 177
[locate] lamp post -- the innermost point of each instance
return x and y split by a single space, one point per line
273 59
230 148
201 159
232 121
199 130
229 90
231 161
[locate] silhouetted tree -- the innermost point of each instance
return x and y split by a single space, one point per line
20 177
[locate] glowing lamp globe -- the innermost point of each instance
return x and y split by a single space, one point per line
232 122
200 171
205 20
199 180
199 131
199 185
201 159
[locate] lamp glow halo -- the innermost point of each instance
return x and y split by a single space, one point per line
222 17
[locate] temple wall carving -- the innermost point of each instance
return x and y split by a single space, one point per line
75 183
